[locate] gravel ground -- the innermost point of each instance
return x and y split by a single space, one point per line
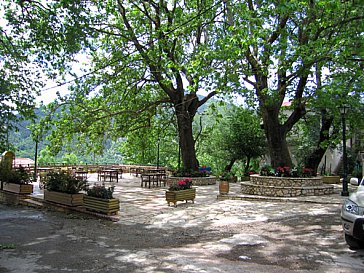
44 241
207 236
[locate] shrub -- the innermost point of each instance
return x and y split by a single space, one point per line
63 182
267 170
200 172
100 192
284 171
17 176
226 176
183 184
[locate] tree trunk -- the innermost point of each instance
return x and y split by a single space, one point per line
246 169
185 116
230 165
276 138
315 157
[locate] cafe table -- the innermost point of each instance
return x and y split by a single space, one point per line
81 175
148 179
108 175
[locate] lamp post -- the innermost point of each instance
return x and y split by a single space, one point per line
343 110
362 166
158 151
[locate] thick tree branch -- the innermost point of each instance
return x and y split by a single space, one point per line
154 69
274 36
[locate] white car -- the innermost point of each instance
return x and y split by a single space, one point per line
352 217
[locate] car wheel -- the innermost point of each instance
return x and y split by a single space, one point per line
352 242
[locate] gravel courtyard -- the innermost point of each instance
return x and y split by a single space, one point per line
207 236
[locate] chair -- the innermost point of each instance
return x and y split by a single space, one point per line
154 179
101 176
120 173
163 179
145 179
42 178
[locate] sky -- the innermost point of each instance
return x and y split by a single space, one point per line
49 92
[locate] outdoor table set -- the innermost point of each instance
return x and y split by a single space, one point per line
108 175
81 175
153 178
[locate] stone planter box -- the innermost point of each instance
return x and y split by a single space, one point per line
183 195
18 188
331 179
72 200
104 206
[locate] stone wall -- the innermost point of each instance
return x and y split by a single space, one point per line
196 181
285 186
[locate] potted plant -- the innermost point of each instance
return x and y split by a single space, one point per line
100 199
63 188
16 181
181 191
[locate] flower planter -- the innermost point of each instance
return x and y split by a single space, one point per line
331 179
68 199
182 195
18 188
105 206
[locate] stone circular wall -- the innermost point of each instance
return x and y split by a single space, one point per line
285 181
285 186
196 181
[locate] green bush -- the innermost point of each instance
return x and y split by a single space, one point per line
267 170
100 192
17 176
64 182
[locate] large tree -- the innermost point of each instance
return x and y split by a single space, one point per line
276 46
19 83
143 55
148 54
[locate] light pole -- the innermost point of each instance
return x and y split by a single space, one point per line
343 110
158 151
362 166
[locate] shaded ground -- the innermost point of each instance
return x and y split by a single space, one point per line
208 236
40 241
